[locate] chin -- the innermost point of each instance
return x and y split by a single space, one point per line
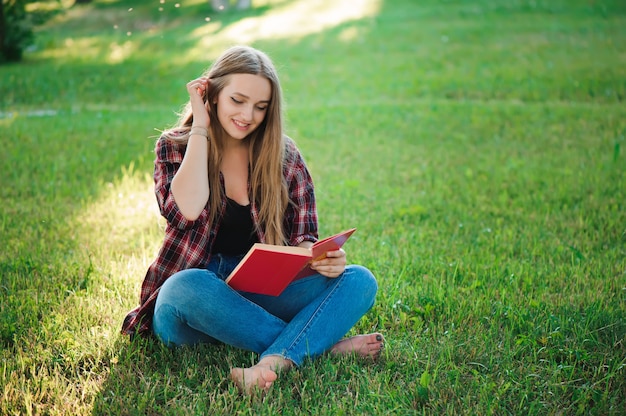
239 135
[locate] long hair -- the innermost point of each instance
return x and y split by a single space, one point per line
266 143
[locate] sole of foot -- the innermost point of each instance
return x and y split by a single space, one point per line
366 346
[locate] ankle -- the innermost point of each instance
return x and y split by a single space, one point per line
275 362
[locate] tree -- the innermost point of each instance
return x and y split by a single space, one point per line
16 31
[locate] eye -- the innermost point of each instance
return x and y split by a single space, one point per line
261 108
236 101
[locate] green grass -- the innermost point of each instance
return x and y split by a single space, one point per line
479 147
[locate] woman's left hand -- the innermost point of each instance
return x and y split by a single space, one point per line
333 265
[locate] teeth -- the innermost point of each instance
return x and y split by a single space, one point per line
240 124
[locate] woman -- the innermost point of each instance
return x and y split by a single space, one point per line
226 177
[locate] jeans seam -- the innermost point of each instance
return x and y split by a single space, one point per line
307 325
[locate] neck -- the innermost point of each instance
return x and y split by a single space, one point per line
234 144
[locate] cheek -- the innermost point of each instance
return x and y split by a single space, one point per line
260 116
222 113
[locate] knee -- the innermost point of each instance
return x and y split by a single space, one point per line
181 285
363 281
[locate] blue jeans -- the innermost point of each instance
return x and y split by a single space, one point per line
307 319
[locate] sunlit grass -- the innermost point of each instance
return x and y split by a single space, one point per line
129 28
297 19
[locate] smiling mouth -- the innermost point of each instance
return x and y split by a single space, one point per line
240 124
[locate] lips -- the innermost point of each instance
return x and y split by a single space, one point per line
240 124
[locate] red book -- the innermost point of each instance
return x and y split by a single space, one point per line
268 269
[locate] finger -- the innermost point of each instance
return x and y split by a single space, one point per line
330 271
336 253
199 85
321 263
330 262
332 274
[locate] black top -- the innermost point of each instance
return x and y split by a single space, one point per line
236 233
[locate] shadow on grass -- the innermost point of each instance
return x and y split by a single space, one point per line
148 378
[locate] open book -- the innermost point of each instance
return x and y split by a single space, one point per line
268 269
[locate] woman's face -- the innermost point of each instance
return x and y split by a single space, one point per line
243 103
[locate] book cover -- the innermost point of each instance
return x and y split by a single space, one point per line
268 269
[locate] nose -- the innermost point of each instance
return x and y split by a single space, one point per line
247 113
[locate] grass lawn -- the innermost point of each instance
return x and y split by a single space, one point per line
479 148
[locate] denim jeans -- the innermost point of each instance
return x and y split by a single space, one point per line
307 319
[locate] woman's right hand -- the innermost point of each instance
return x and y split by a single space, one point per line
197 90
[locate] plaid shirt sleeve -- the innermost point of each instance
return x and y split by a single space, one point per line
168 160
186 243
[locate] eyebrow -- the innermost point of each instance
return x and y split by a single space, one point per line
245 96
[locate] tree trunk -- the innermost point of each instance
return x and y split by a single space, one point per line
219 5
2 29
244 4
223 5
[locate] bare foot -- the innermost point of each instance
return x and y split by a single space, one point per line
248 379
368 345
261 375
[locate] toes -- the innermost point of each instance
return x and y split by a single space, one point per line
250 379
368 345
268 375
377 346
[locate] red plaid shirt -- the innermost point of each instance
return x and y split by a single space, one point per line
188 244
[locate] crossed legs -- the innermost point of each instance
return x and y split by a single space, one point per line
263 374
307 320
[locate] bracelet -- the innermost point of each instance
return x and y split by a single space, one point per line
200 131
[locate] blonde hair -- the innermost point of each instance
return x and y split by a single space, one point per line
266 143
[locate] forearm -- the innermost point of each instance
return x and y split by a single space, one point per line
306 244
190 185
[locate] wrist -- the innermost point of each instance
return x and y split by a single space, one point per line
199 131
